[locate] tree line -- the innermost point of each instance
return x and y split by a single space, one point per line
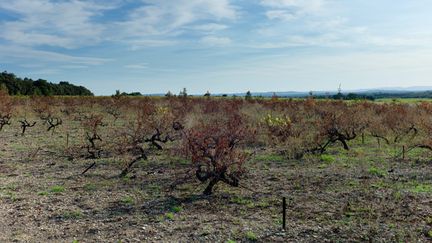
17 86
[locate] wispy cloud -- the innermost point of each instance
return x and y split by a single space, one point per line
47 56
137 66
291 9
137 44
216 41
66 24
164 17
162 23
211 27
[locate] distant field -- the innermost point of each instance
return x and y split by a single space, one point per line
404 100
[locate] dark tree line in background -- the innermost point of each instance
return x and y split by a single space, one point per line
18 86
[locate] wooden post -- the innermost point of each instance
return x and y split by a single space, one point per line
363 138
403 152
67 140
284 213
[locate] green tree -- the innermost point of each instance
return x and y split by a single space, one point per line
248 95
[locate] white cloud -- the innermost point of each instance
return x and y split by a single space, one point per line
137 66
163 17
287 10
216 41
301 5
64 24
284 15
325 40
137 44
16 52
212 27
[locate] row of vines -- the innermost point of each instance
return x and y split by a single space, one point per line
218 136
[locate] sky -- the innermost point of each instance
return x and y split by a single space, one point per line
221 46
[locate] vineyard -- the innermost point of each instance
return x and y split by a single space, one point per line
187 169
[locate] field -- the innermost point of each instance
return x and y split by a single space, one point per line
351 172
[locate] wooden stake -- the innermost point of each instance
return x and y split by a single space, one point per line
284 213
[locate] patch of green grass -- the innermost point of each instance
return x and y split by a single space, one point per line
169 216
12 187
72 215
90 187
327 158
57 189
377 171
322 166
176 209
262 204
154 188
360 211
126 178
128 200
379 185
11 196
240 201
429 220
353 183
230 241
422 188
429 234
251 236
397 195
42 193
277 220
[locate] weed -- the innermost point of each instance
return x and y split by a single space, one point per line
90 187
251 236
128 200
429 220
327 158
72 215
240 201
42 193
176 209
422 188
379 185
169 216
57 189
377 171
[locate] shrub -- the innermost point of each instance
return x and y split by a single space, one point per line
213 147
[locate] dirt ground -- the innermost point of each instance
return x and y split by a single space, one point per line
362 195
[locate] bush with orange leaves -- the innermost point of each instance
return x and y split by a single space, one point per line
394 123
152 127
5 109
214 148
309 127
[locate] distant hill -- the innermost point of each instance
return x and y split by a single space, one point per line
26 86
393 92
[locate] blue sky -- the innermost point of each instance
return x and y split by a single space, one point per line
223 46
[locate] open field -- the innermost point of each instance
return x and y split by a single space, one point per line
371 191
